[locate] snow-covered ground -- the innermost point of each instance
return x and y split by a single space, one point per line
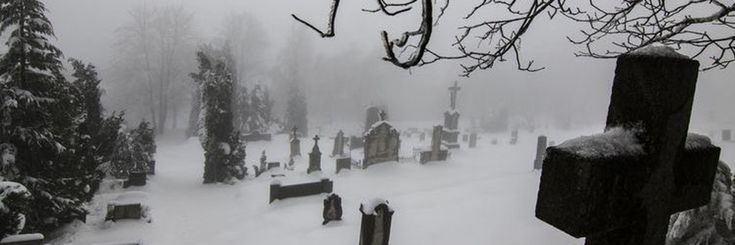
484 195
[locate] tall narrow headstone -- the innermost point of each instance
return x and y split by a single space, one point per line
451 120
295 143
473 140
339 144
621 187
436 153
315 157
376 223
540 153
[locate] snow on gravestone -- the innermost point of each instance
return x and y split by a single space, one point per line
375 226
382 143
23 239
620 187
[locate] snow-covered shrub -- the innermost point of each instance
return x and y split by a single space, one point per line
14 200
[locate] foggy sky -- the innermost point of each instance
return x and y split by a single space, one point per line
569 86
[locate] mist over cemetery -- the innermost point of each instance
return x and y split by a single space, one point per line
371 123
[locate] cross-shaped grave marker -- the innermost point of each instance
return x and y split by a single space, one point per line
620 187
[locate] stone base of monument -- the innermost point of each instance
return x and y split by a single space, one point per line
23 239
426 155
343 163
272 165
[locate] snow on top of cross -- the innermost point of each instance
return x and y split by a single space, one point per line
22 238
696 141
369 206
658 51
614 142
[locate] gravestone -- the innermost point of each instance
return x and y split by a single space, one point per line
473 140
514 136
727 135
263 163
332 208
23 239
451 120
621 187
343 163
372 115
136 178
315 157
382 143
279 191
540 153
436 152
356 142
124 211
295 143
339 144
465 138
422 136
376 222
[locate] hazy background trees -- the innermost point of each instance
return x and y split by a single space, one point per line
153 53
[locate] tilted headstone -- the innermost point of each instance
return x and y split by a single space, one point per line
339 144
727 135
315 157
295 143
23 239
372 115
540 152
473 140
514 137
621 187
343 163
436 153
376 222
332 208
382 143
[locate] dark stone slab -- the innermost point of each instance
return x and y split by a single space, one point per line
124 211
375 226
280 192
137 178
332 208
343 163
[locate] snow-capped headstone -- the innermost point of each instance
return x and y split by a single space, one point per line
339 145
727 135
295 143
376 222
315 157
621 187
332 208
382 143
540 153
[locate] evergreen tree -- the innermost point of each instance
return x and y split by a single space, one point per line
296 111
14 197
223 151
144 144
38 109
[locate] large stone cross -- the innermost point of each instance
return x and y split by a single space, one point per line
620 187
453 95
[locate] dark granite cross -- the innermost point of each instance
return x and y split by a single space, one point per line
626 197
453 95
316 143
